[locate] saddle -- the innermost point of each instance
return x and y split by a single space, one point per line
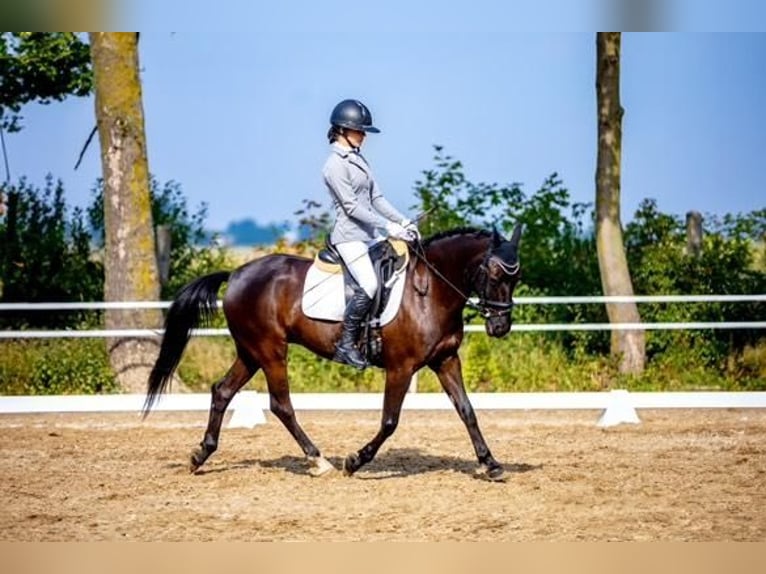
387 258
329 285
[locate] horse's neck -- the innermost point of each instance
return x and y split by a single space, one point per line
457 258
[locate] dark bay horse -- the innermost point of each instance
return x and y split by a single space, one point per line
262 306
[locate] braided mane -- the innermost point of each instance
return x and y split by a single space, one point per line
455 232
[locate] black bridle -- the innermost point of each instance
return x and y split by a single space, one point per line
486 307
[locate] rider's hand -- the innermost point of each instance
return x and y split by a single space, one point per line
412 229
397 231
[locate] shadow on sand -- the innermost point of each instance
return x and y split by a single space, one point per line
394 463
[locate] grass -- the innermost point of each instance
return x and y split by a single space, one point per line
522 362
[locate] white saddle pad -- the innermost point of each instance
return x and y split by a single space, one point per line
324 293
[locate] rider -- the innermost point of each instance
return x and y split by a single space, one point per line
361 212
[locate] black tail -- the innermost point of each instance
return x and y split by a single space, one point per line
195 304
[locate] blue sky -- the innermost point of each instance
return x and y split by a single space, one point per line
239 117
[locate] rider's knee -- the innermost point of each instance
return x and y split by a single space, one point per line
369 285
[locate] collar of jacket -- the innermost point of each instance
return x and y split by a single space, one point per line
342 151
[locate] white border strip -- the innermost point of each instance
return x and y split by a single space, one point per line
249 406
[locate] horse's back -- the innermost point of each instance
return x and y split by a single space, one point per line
268 278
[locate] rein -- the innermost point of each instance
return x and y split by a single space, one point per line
486 307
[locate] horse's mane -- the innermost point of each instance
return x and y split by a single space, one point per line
454 232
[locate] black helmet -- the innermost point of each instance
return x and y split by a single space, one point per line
354 115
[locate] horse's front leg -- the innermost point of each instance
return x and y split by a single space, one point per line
450 376
397 383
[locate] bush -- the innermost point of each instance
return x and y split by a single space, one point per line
55 367
656 243
45 256
520 362
558 257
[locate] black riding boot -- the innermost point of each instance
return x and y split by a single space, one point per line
346 350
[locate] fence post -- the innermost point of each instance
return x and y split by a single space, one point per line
413 388
163 252
693 233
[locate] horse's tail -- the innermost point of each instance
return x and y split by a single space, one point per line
195 304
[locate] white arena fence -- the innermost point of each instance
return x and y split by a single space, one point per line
248 407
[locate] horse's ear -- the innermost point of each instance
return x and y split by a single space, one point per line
516 236
497 239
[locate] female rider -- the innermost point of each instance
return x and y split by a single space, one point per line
361 212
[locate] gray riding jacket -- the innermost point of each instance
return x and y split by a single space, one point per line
360 208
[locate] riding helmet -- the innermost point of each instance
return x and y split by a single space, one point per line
353 115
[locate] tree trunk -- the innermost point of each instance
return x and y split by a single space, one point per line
130 262
628 346
693 233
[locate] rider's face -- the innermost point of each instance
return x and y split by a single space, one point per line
355 138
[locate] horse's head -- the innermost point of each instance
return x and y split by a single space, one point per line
495 281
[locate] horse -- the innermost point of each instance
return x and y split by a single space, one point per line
262 307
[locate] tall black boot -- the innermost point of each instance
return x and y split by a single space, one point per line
346 350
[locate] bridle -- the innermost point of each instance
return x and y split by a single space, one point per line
487 308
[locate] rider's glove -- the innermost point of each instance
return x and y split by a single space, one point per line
398 231
412 229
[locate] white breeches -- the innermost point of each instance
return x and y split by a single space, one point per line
356 256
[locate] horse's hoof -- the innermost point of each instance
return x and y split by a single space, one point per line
197 460
351 464
319 466
494 474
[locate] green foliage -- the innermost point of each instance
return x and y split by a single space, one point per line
192 253
558 250
440 194
45 256
557 247
521 362
42 67
55 367
656 250
314 225
558 257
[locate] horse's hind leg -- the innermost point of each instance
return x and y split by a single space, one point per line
222 393
282 407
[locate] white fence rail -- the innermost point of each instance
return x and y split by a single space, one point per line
148 333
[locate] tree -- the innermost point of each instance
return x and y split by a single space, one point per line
193 252
628 346
130 264
41 67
